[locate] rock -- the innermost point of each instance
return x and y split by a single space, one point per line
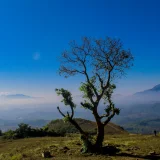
64 149
46 154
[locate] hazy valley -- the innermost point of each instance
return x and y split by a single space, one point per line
140 113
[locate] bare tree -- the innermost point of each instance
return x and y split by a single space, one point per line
100 61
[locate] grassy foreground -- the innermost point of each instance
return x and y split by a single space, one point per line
132 147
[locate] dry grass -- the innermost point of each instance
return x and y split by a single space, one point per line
131 147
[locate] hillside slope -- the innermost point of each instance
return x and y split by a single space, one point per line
90 126
131 147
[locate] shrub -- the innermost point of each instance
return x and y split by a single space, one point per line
10 135
25 131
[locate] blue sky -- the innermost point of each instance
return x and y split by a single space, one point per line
33 33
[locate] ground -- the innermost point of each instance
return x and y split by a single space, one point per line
131 147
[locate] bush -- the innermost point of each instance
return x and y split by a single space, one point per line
25 131
10 135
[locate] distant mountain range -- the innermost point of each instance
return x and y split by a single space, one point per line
143 97
16 96
155 89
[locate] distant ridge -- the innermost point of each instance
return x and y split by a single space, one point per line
152 90
156 88
16 96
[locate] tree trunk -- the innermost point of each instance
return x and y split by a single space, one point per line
85 137
97 147
100 136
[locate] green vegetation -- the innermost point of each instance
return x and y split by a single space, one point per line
61 127
143 126
131 147
25 131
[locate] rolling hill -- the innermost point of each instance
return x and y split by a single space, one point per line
87 125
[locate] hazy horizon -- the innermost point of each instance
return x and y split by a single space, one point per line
34 33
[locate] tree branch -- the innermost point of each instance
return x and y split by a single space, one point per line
72 114
88 80
109 118
71 120
100 79
61 112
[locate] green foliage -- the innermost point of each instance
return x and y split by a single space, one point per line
108 98
87 105
67 97
25 131
61 127
66 118
10 135
87 144
87 91
108 92
146 126
117 111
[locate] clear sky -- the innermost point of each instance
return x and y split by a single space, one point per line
33 33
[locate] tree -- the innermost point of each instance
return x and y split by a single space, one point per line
101 62
23 130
